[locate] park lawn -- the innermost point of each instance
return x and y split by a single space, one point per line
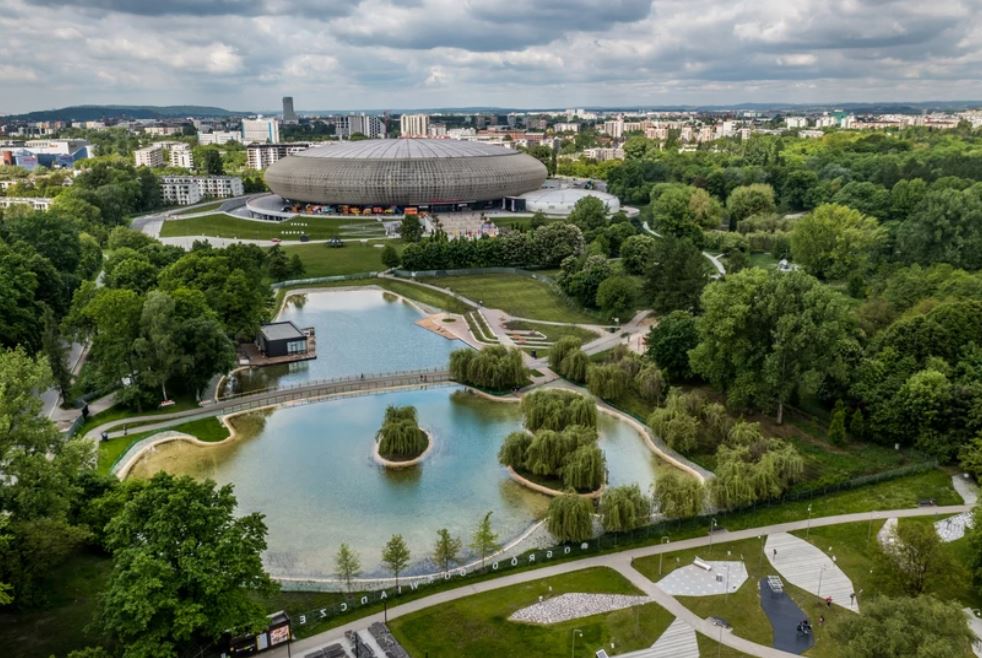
221 225
763 260
478 626
119 413
214 205
522 222
59 627
355 257
517 295
206 429
553 332
710 648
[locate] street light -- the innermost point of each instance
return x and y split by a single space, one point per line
808 530
726 586
661 556
572 645
712 527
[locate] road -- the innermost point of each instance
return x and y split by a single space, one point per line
621 562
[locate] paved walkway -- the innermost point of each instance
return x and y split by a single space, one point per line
622 562
805 565
678 641
691 580
968 490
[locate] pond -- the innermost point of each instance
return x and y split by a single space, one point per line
309 469
361 331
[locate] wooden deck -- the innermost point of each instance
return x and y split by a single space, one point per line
249 354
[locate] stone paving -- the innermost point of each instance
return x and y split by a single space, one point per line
953 528
807 567
566 607
691 580
886 536
678 641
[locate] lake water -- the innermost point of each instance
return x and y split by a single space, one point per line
309 469
358 332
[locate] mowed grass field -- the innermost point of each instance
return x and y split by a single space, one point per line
353 258
517 295
318 228
478 626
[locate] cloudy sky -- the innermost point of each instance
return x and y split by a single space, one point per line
351 54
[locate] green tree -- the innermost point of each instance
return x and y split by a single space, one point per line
581 278
589 213
857 425
447 549
766 335
162 596
676 276
400 437
637 253
914 560
347 566
485 539
669 342
945 227
679 496
390 257
837 424
921 627
396 556
411 229
608 381
584 468
834 241
747 200
624 508
570 518
617 295
672 209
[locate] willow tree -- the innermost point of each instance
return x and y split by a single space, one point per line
556 409
624 508
584 469
547 451
608 381
497 368
679 496
751 472
514 449
650 383
400 437
569 518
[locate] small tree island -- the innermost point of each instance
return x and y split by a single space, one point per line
400 439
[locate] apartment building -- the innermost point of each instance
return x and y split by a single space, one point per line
187 190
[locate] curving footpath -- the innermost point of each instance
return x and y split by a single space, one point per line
621 562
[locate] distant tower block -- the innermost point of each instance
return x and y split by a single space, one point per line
288 113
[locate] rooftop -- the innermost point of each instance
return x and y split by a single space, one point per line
405 149
281 331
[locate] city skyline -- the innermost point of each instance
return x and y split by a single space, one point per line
247 54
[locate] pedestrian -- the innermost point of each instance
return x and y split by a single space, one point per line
775 553
828 601
821 620
852 599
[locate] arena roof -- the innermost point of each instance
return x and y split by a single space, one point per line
406 149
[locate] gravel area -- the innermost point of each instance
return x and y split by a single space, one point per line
953 528
573 606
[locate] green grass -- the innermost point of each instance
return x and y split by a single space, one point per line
553 332
119 413
522 222
226 226
480 328
214 205
206 429
60 626
478 626
763 260
353 258
517 295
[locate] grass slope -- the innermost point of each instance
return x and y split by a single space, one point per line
517 295
354 258
221 225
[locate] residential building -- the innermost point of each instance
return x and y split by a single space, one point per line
37 203
163 130
363 124
437 130
180 156
414 125
796 122
260 156
601 154
261 131
566 127
149 156
219 137
614 128
289 115
186 190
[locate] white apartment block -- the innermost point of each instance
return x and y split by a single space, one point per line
796 122
149 156
261 131
219 137
614 128
368 125
826 121
601 154
566 127
36 203
187 190
260 156
437 130
163 131
414 125
180 156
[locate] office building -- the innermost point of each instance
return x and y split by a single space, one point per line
414 125
186 190
149 156
219 137
260 131
289 115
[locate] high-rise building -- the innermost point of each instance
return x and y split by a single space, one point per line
180 156
414 125
289 116
151 156
261 131
260 156
363 124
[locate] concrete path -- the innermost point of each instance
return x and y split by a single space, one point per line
806 566
691 580
622 562
968 490
975 624
678 641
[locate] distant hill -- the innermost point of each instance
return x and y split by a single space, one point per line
97 112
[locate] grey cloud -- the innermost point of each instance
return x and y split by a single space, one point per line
205 7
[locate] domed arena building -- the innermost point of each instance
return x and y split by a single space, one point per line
429 173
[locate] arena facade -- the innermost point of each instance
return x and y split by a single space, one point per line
430 173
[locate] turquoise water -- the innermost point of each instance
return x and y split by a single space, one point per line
358 332
309 470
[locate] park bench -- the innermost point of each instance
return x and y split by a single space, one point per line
702 565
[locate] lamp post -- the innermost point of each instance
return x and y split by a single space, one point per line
572 645
661 556
712 527
821 572
726 586
808 529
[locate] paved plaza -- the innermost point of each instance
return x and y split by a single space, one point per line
953 528
566 607
806 566
678 641
691 580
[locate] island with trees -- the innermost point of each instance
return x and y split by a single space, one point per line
401 442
